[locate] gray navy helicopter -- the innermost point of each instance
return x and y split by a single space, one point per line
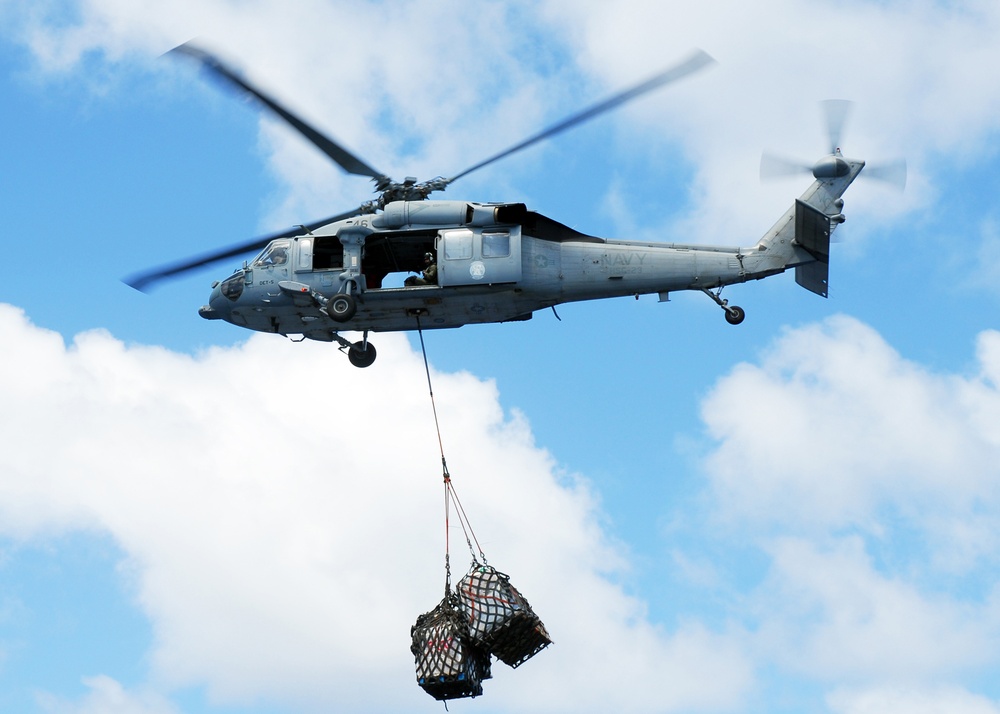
494 262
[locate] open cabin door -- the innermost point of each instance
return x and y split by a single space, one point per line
467 256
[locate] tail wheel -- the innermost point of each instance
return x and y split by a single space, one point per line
341 307
735 315
361 355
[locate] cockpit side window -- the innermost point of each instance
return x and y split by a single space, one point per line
274 254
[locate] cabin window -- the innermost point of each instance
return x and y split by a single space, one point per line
305 254
328 254
479 256
458 245
496 245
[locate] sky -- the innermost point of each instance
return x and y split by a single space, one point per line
796 514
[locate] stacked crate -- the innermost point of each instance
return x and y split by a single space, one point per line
452 643
449 663
500 619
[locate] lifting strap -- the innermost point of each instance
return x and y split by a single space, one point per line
450 495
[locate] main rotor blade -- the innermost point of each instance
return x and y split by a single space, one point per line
143 281
695 62
348 161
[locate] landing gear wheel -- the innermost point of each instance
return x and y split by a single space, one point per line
360 355
735 315
341 307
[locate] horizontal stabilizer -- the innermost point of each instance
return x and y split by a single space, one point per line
812 234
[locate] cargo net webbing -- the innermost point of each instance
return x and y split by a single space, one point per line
449 663
498 617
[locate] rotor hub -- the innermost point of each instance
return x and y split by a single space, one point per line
831 167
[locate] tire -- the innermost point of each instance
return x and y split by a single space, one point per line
361 357
341 307
735 315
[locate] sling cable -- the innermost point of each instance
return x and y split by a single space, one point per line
483 616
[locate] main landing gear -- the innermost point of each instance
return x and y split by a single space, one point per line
361 353
341 307
734 313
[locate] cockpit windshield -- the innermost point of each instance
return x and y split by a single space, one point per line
275 254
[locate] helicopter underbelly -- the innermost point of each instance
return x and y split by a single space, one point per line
393 309
397 308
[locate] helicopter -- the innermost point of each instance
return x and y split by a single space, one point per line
486 262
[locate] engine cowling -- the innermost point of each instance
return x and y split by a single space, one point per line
398 214
423 213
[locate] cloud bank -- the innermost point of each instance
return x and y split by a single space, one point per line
871 485
281 517
432 88
281 514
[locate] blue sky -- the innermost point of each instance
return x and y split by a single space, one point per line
795 514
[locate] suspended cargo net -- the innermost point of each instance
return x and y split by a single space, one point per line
484 616
449 664
500 619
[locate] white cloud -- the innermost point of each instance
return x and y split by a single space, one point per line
429 89
106 696
871 485
909 66
828 612
841 430
236 480
418 90
911 700
282 516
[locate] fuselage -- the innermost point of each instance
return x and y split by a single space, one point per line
495 264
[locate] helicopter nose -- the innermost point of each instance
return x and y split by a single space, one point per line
216 303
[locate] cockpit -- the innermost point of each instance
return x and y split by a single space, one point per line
276 253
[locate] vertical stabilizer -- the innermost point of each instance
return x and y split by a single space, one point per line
812 234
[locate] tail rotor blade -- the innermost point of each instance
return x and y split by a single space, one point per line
892 173
773 166
836 112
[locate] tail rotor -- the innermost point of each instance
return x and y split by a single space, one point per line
836 113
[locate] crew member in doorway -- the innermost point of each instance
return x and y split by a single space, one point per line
430 276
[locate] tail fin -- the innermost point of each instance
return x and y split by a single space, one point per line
801 238
812 234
